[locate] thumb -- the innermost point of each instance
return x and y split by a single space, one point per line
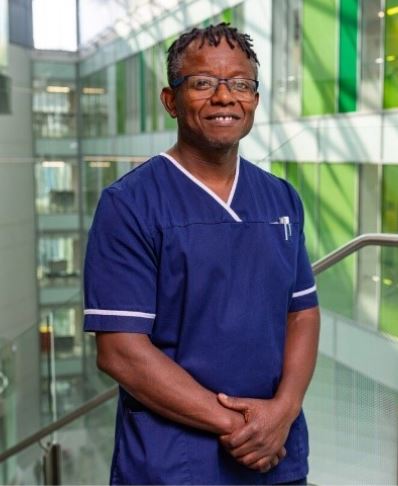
234 403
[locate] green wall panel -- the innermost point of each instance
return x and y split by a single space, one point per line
278 169
338 194
121 103
391 55
319 57
142 92
304 177
389 256
348 55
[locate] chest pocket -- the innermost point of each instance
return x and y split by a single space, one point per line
284 229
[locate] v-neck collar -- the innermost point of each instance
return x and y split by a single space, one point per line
225 205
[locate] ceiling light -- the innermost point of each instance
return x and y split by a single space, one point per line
93 91
380 14
53 163
58 89
379 60
100 164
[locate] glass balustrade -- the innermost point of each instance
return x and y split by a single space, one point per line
352 402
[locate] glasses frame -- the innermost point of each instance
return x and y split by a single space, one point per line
178 82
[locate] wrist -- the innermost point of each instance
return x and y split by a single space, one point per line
231 421
289 405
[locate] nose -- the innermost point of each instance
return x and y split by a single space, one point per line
222 94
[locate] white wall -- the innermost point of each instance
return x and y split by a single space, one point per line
18 307
18 298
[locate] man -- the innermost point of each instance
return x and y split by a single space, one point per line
200 292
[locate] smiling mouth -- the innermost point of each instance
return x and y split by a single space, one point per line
222 118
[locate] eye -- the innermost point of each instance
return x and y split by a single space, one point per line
201 83
241 85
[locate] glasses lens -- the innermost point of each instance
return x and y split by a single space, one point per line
201 87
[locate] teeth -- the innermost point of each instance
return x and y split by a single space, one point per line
229 118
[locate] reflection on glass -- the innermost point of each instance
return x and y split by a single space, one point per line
54 108
58 260
286 59
94 104
389 256
56 186
97 175
371 52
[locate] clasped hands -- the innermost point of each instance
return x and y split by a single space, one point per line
259 444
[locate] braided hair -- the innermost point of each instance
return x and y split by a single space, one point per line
213 34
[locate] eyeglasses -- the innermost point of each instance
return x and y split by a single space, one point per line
202 87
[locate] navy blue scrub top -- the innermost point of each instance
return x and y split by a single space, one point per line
211 283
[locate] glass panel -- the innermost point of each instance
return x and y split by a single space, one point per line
391 55
97 175
338 193
54 102
121 102
372 40
56 186
348 55
320 27
5 94
389 256
86 448
94 104
304 177
352 416
278 169
3 33
132 95
58 260
286 59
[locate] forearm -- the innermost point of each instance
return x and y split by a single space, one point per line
301 349
161 384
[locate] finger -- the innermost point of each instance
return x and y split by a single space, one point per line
247 448
234 403
263 464
251 458
239 437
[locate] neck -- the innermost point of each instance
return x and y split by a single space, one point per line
215 164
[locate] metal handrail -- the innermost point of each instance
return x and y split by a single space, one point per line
367 239
378 239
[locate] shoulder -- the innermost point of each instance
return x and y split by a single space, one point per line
277 189
134 195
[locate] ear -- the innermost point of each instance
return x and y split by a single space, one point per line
257 99
167 97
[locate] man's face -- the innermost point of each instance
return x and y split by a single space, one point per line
220 120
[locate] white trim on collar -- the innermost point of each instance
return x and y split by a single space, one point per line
225 205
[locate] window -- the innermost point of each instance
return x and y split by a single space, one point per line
5 94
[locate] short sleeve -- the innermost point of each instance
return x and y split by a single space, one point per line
304 294
120 270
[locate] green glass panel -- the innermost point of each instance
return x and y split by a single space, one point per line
319 57
389 256
121 103
154 92
142 92
338 187
227 15
348 55
278 169
304 177
391 55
